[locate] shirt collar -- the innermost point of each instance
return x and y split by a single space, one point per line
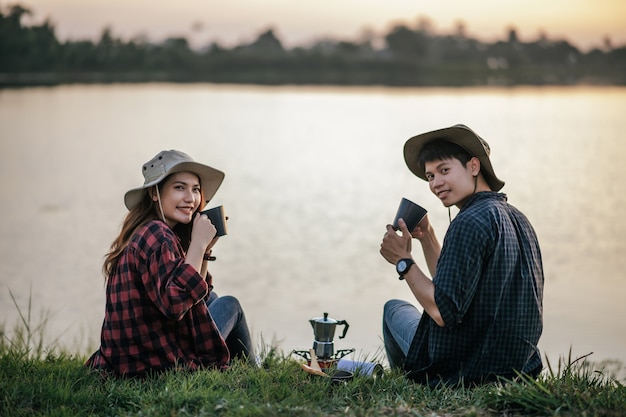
483 195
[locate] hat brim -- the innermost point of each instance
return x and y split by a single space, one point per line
462 136
210 180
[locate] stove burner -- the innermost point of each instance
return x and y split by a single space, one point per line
324 362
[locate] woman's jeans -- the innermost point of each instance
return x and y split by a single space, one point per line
231 322
400 320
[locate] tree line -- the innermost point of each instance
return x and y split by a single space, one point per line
410 56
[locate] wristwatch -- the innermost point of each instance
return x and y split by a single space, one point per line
403 265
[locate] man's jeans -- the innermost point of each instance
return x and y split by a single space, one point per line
400 320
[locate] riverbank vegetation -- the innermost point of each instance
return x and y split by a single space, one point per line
404 56
37 380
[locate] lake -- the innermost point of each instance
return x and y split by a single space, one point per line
313 175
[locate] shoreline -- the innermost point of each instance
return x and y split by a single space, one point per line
33 79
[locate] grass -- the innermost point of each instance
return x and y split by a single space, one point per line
38 380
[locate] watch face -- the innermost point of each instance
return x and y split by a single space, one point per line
401 266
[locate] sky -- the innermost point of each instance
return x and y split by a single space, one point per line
584 23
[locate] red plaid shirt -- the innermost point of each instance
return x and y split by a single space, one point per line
155 315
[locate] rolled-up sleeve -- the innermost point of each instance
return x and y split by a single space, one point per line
171 285
459 270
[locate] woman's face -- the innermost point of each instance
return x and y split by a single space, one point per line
180 198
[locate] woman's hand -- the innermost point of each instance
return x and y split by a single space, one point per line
213 242
202 236
203 232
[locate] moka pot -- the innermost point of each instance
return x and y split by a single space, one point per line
324 331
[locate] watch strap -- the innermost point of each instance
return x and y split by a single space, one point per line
409 262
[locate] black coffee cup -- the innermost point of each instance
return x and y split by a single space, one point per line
410 212
218 218
341 377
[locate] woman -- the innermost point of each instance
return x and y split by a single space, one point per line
158 283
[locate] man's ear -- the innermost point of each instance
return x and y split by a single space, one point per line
474 166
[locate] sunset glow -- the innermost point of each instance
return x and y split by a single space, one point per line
584 23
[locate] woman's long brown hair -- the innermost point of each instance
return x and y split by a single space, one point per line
142 213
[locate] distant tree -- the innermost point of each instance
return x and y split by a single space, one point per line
80 56
16 12
404 42
402 56
460 31
266 43
425 25
512 36
26 48
175 55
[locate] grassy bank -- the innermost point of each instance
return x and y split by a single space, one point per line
39 380
57 384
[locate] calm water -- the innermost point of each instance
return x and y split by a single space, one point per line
312 177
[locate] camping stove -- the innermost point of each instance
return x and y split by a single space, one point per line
323 345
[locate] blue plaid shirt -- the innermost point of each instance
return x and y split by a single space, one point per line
489 290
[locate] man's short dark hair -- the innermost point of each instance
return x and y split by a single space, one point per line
441 149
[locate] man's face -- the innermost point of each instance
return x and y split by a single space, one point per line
451 181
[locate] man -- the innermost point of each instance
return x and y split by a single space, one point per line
483 308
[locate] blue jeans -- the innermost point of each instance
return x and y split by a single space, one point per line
231 322
400 320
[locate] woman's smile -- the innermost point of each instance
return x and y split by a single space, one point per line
180 197
186 209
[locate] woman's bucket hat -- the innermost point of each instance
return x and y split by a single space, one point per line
462 136
170 162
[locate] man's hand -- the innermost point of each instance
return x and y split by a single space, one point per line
421 229
395 247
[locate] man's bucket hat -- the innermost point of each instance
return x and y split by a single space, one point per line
462 136
170 162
